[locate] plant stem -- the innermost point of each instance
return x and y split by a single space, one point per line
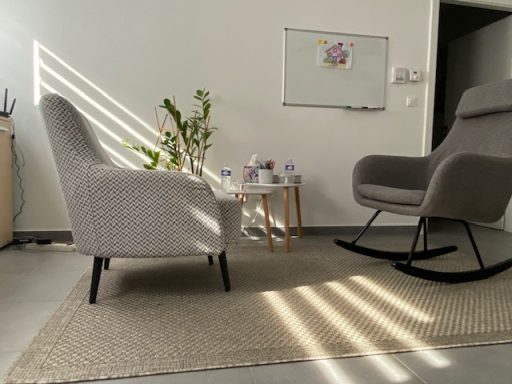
160 128
191 165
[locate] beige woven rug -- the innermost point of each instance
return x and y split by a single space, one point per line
171 315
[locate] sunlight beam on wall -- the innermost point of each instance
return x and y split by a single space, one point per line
98 106
117 156
39 64
103 128
96 88
107 131
258 212
211 175
37 75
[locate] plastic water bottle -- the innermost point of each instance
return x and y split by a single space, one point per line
225 177
289 169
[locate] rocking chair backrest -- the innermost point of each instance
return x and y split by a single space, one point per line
483 124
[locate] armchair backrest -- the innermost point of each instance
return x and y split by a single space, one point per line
71 135
75 149
483 124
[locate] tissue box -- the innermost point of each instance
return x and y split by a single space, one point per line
250 174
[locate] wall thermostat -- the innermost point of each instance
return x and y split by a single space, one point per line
415 76
399 75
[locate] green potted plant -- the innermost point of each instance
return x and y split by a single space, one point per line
184 144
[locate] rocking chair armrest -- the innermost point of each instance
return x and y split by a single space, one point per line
391 171
469 186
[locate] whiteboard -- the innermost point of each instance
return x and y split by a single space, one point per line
307 83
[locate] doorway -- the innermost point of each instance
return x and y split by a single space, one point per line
474 48
459 27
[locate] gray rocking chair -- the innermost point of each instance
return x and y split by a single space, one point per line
467 178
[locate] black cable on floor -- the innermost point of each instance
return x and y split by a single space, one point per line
18 172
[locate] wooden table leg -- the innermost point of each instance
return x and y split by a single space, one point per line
267 222
286 220
299 218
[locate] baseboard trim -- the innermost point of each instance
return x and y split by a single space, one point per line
334 230
66 236
57 236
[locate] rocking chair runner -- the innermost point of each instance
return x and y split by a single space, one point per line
467 178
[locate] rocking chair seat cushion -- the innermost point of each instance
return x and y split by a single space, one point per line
391 194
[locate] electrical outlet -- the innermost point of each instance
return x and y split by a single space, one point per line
415 76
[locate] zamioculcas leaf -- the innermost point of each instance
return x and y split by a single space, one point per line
187 140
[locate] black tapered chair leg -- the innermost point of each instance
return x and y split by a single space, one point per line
210 259
224 269
95 280
368 224
106 265
415 241
473 244
425 235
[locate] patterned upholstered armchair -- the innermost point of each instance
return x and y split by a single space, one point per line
117 212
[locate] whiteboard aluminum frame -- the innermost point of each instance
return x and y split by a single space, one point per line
346 107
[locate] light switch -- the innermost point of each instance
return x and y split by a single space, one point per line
411 101
399 75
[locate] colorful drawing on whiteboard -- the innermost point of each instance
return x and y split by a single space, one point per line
336 54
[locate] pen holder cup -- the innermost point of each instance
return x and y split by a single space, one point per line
265 176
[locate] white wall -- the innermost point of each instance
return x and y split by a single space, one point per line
138 52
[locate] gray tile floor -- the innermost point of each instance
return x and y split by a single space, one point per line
34 283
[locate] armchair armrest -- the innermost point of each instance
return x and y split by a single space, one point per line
152 213
469 186
391 171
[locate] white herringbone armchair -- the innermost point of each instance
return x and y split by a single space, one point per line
116 212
